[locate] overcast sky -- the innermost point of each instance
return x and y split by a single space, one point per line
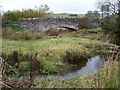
57 6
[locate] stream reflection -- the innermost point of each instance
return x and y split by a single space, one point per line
92 66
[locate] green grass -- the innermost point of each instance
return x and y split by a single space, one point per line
95 34
52 50
51 44
26 65
63 15
104 51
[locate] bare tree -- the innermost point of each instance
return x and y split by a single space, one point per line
108 7
112 8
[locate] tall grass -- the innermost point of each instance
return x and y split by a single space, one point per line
14 34
51 51
107 77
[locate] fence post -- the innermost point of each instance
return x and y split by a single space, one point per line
31 68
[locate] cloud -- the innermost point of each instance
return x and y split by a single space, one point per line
55 5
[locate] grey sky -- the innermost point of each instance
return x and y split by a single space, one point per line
57 6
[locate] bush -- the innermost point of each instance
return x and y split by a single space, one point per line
110 26
15 15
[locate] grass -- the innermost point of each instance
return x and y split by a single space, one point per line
54 47
105 78
95 34
53 50
17 34
63 15
26 65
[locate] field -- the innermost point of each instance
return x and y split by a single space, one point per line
64 15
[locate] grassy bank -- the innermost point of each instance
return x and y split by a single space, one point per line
51 51
52 47
57 53
107 77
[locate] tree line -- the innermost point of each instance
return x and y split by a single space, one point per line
14 15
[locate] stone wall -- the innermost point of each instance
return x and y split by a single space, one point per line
44 24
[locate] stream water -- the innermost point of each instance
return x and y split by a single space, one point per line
92 66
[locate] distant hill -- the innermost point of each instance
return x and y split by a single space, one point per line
65 15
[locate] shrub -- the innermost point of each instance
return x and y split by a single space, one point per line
25 13
110 26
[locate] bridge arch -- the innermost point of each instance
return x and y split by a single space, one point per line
44 24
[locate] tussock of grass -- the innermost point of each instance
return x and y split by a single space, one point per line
76 54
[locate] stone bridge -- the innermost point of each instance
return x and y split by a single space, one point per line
44 24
